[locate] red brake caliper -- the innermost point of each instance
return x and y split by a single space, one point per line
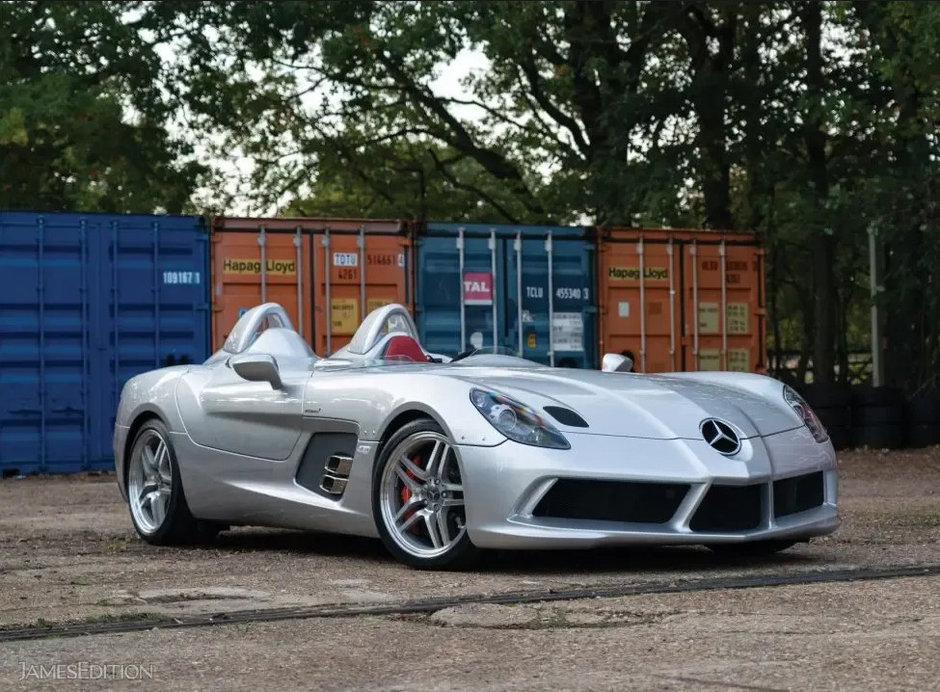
406 495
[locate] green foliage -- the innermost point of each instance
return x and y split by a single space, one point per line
82 123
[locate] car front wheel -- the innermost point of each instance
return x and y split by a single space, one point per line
418 499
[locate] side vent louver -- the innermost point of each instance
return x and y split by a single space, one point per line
325 466
336 474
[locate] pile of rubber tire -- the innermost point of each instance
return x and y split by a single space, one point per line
833 404
877 417
923 420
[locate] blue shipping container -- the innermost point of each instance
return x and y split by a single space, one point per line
87 301
530 289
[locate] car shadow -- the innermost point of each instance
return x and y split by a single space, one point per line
632 559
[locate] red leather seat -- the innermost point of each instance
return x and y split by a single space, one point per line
402 346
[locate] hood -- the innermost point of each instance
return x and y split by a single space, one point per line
650 406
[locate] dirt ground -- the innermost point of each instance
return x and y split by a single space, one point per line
68 554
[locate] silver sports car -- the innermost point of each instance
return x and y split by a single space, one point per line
443 457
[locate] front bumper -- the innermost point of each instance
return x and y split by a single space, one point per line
504 485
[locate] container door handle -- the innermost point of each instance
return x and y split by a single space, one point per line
672 305
300 292
361 242
517 246
325 242
262 241
693 253
551 302
492 245
724 307
463 317
640 253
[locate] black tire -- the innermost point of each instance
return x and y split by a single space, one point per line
178 526
866 395
923 435
880 436
924 409
462 554
840 436
752 549
834 417
878 415
826 395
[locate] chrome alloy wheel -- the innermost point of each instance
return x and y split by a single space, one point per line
150 482
421 496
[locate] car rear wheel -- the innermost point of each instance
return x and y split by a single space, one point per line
418 499
155 491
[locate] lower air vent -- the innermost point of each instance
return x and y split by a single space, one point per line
326 463
729 508
792 495
647 503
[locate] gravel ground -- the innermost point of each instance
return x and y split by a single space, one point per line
867 636
68 553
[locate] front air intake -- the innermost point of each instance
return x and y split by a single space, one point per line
729 508
623 501
798 494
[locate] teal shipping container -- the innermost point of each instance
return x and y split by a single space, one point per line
87 301
528 289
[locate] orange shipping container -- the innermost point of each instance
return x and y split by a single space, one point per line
682 299
327 273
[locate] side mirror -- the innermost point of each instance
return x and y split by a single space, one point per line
257 367
614 362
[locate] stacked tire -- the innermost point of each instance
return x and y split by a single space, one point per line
879 417
924 420
833 405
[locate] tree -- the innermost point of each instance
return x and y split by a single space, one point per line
811 124
82 121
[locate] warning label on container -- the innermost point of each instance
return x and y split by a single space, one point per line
623 309
376 303
738 359
737 318
567 331
708 318
633 273
477 288
530 340
344 313
709 359
253 266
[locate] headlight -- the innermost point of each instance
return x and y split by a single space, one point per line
516 421
806 414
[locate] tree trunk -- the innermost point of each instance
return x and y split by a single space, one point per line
822 244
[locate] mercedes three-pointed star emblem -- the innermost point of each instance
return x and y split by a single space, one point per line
721 436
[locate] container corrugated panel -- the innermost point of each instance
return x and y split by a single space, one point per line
348 267
526 288
88 301
682 299
724 304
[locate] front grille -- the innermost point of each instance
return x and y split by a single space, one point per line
645 503
729 508
798 494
